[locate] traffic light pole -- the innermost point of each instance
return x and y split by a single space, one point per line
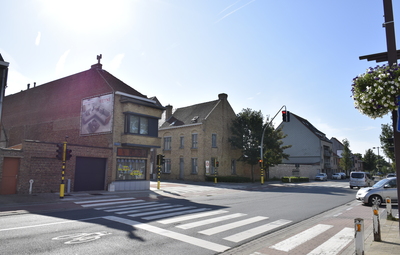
62 188
262 144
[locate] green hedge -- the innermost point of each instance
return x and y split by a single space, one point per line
288 179
238 179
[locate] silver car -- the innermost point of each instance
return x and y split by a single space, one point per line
377 194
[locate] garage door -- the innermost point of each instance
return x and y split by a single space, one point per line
90 174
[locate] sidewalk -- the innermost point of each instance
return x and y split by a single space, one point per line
25 203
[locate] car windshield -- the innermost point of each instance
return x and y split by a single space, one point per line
380 183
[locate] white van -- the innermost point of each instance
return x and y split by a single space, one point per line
361 179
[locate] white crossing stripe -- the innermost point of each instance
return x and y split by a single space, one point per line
174 214
177 236
160 211
136 206
104 202
209 221
219 229
128 203
256 231
148 208
190 217
336 243
301 238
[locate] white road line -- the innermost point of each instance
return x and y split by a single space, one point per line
106 203
149 208
177 236
209 221
256 231
174 214
160 211
49 224
138 206
301 238
103 200
336 243
190 217
120 206
219 229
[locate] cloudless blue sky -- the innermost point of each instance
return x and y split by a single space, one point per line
262 53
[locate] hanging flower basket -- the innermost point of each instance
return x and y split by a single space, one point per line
375 91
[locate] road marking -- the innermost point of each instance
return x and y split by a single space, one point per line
174 214
129 203
160 211
149 208
219 229
256 231
174 235
209 221
49 224
301 238
138 206
125 200
190 217
336 243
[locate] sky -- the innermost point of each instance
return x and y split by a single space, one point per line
263 53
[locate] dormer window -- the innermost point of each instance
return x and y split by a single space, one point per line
195 118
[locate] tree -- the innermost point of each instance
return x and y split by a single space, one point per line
369 160
387 132
247 130
346 162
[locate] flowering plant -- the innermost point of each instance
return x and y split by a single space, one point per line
375 91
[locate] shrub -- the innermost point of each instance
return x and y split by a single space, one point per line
296 179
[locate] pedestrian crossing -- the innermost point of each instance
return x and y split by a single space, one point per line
214 229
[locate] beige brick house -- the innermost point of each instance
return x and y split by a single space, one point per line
194 137
112 130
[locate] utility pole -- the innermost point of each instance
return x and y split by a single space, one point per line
391 56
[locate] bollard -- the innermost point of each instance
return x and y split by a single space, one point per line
359 236
376 223
389 208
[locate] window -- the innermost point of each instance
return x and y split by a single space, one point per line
233 166
194 141
167 166
167 143
194 165
141 124
181 142
131 169
214 140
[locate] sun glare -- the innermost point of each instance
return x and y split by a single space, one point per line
88 15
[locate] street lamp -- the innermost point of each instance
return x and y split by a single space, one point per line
377 165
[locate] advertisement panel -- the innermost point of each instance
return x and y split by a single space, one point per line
97 114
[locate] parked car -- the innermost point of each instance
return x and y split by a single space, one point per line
343 175
321 177
336 176
377 194
361 179
390 175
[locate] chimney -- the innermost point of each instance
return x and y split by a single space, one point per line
34 84
28 85
168 112
98 65
223 96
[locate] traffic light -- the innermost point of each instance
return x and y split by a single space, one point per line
60 151
261 162
216 163
160 159
285 116
390 142
68 154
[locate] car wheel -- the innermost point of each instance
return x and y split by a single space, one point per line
375 199
351 187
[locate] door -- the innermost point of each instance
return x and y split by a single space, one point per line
90 174
9 176
181 168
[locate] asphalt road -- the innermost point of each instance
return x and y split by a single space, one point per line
225 217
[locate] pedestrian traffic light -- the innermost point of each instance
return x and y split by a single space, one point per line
160 159
68 154
285 116
216 163
60 151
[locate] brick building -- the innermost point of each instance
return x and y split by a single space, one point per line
196 136
111 128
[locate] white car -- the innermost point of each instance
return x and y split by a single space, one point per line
321 177
336 176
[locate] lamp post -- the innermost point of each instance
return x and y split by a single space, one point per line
377 165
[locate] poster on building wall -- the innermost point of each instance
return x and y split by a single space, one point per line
131 169
96 115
